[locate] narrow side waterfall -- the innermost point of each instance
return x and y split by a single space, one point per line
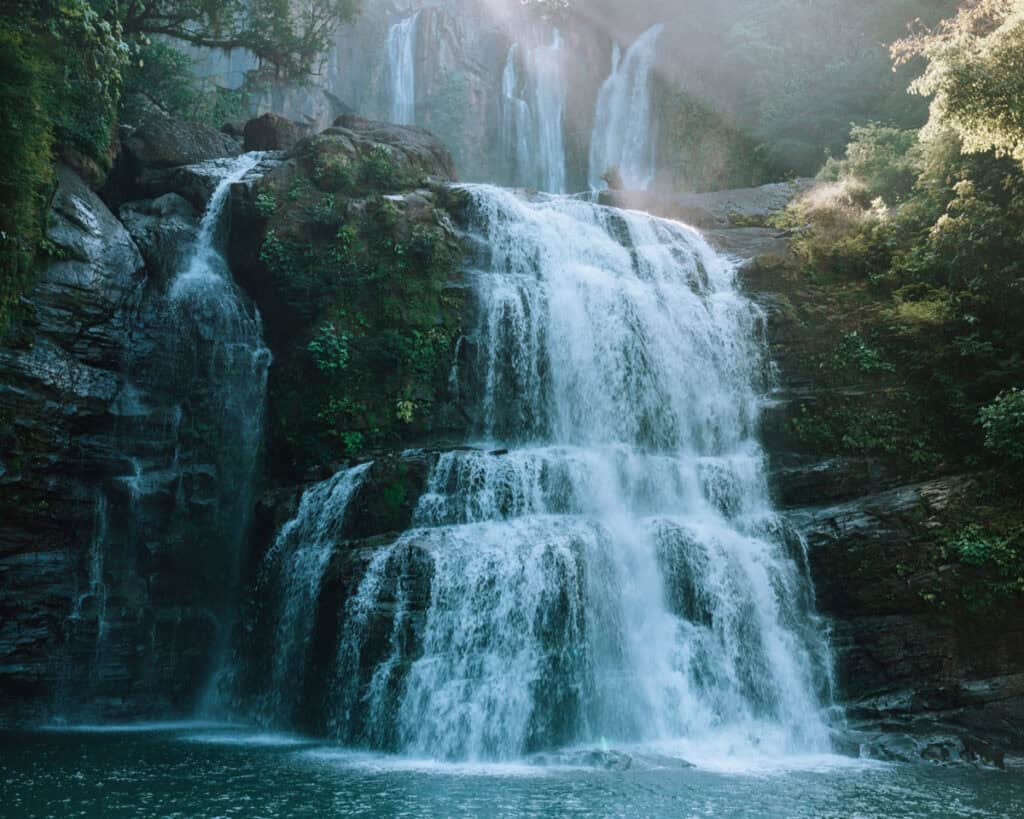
188 435
517 122
401 53
290 580
604 565
549 91
623 134
533 108
222 360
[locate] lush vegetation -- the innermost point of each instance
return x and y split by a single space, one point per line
915 238
356 302
59 87
72 69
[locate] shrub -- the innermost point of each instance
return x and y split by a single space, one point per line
1003 422
883 160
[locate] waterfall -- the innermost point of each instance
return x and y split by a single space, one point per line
604 566
549 90
222 358
290 579
163 568
623 134
401 51
517 122
532 116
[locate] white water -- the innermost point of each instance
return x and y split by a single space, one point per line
624 135
401 51
517 121
223 335
533 108
291 576
619 575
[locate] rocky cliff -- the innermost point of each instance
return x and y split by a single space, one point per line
113 510
929 666
124 465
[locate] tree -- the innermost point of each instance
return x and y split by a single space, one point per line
290 35
975 75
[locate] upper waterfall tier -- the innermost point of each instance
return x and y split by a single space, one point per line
624 129
401 51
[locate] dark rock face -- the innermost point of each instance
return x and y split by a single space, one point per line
919 683
114 576
163 230
271 132
59 377
903 666
166 155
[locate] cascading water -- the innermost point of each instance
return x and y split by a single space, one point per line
188 435
605 565
517 122
623 135
401 51
290 579
533 108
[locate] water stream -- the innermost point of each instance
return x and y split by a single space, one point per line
401 53
624 135
616 574
533 108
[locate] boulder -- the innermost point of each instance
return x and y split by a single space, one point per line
164 230
166 142
83 300
271 132
414 151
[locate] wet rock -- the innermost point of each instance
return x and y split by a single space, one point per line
899 657
164 230
83 301
58 376
113 567
387 498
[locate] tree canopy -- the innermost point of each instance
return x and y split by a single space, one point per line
975 75
290 35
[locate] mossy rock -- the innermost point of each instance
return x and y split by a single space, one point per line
351 256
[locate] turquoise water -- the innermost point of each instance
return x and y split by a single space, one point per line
209 770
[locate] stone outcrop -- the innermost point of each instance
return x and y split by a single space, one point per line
348 240
113 573
271 132
59 376
904 666
165 142
919 681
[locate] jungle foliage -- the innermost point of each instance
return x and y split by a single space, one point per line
919 234
70 70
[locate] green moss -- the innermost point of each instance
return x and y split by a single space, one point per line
359 311
26 173
978 551
879 425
